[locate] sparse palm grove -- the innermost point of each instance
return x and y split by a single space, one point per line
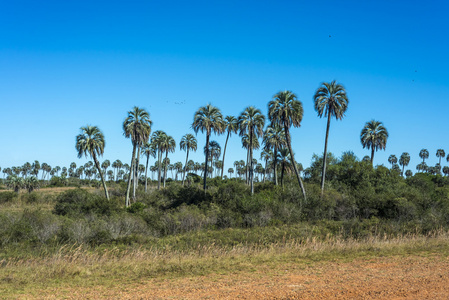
157 196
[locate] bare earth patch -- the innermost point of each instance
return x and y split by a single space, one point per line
396 277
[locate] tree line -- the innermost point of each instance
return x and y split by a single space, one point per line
284 111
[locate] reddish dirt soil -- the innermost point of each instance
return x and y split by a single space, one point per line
374 278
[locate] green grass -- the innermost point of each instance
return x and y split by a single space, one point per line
82 266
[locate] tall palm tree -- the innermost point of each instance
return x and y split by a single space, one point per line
188 142
136 126
214 153
105 165
117 165
440 153
207 119
178 168
91 142
149 149
274 138
424 154
404 160
245 144
374 136
392 159
251 122
331 101
286 110
35 168
158 138
168 145
231 126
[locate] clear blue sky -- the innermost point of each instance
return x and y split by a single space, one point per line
65 64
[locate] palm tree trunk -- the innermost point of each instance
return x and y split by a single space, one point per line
251 170
146 172
129 177
282 174
136 174
205 164
165 166
224 153
159 162
185 167
287 137
265 170
97 164
247 167
372 155
323 175
275 162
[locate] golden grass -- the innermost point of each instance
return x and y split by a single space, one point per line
76 266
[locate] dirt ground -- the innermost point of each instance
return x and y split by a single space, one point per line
415 277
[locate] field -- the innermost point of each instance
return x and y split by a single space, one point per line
67 243
409 267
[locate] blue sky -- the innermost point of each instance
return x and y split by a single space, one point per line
65 64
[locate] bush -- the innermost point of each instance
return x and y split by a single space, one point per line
6 197
80 202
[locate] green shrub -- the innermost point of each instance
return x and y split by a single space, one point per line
136 207
6 197
80 202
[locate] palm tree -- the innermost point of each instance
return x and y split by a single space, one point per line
105 165
149 149
331 101
374 136
178 167
424 154
31 183
188 142
158 139
207 118
168 145
274 138
91 142
440 153
446 170
117 165
136 126
251 122
231 126
392 159
35 168
246 145
422 167
230 171
214 153
404 160
286 110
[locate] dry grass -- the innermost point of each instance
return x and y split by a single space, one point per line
78 267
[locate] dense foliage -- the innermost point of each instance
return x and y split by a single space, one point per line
358 200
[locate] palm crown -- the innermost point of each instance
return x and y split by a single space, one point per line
208 118
90 142
285 109
137 126
374 136
331 99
